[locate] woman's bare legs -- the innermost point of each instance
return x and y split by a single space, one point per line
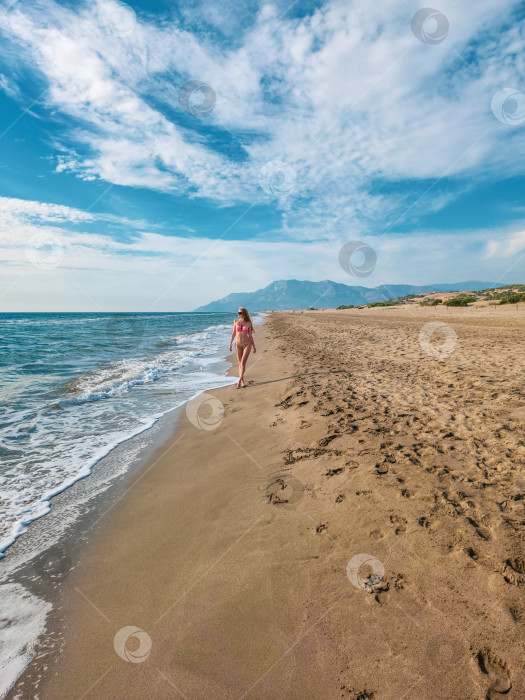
239 350
242 356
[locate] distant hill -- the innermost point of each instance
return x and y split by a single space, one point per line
296 294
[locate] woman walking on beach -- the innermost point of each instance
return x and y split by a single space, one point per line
242 332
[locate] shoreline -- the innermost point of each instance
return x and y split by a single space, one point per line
237 557
141 384
43 554
91 465
69 598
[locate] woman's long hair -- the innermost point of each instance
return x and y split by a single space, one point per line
246 317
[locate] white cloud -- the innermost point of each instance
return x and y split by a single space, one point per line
8 86
157 272
345 96
510 245
15 210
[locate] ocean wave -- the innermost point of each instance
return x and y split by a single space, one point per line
80 418
118 379
191 337
123 375
25 617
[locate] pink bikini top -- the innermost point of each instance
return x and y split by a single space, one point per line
242 329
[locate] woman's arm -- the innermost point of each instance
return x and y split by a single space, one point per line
233 335
251 337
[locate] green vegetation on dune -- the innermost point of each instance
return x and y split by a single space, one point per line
513 298
431 302
383 303
408 297
460 300
509 294
503 292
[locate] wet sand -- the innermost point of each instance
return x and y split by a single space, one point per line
351 527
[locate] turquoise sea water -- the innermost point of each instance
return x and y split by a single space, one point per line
73 386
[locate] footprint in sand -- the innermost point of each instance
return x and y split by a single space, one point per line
284 490
382 594
472 553
483 532
497 674
376 535
515 572
425 522
357 694
399 523
517 612
334 472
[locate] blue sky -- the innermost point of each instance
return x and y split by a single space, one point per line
157 156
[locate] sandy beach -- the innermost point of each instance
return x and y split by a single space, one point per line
350 525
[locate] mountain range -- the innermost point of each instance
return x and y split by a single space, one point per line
297 294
